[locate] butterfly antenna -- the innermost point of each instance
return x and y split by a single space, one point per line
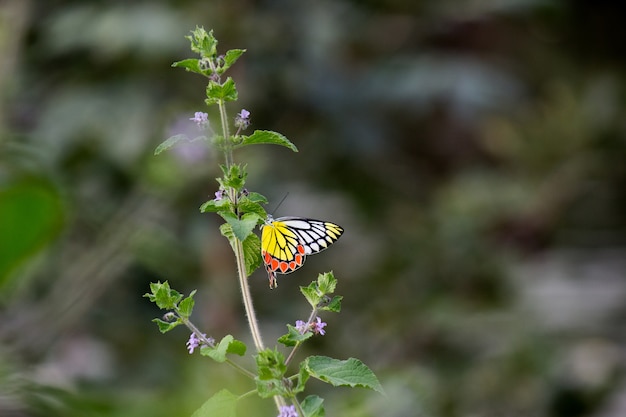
279 203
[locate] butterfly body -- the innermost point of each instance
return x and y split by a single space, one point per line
286 241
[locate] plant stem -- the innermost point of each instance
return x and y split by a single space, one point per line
297 404
228 153
293 351
241 264
247 298
206 341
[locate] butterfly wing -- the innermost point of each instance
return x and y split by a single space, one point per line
315 235
286 241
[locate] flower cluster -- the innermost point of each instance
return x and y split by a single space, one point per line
242 120
194 342
201 119
316 326
288 411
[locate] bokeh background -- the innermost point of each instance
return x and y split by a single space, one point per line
474 151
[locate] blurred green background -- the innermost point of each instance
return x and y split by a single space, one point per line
474 152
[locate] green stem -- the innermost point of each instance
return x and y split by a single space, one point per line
241 265
308 323
228 151
247 298
206 341
297 404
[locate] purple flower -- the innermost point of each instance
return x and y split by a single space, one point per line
301 326
288 411
318 327
242 120
192 343
201 119
219 194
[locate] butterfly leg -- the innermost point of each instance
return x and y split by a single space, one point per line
273 281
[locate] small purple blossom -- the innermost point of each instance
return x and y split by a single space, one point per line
288 411
201 119
318 326
301 326
194 342
242 120
219 194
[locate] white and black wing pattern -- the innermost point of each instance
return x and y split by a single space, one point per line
315 235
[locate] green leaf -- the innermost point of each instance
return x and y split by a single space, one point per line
257 198
213 206
302 378
222 404
251 248
293 336
247 206
243 227
252 253
265 137
216 92
234 176
230 58
165 326
191 65
312 294
163 295
172 141
271 371
351 372
313 406
333 305
185 307
228 344
203 42
326 282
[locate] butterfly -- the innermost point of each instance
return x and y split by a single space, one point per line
286 242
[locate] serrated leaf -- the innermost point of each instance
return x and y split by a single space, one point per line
271 371
247 206
251 248
164 297
312 294
234 176
243 227
333 305
351 372
228 344
266 137
252 253
222 404
203 42
231 57
169 142
257 198
189 65
313 406
185 307
217 92
174 140
326 282
293 336
303 377
213 206
165 326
